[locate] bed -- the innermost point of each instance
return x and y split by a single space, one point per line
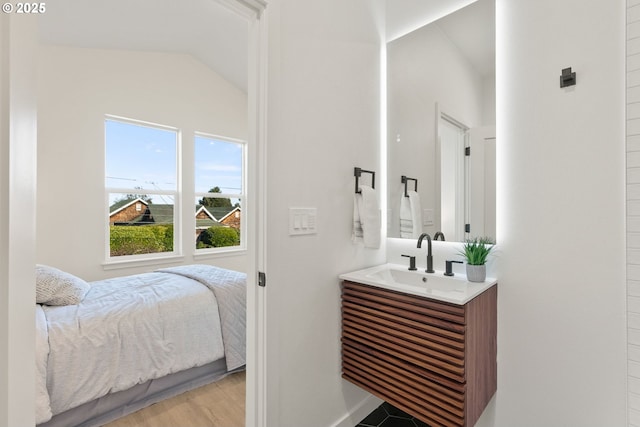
108 348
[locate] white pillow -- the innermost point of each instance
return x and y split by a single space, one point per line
55 287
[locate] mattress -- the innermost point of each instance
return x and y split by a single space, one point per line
131 331
119 404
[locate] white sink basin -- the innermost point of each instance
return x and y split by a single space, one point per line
455 289
416 278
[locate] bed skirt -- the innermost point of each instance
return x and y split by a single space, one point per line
119 404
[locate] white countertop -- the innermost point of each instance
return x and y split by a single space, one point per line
454 289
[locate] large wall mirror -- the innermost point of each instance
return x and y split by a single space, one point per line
441 127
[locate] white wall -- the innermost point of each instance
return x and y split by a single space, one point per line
633 208
77 87
324 100
561 184
425 68
489 97
4 214
17 219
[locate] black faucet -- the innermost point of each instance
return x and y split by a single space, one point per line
429 254
438 234
448 270
412 262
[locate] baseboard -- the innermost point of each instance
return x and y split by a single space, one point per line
359 412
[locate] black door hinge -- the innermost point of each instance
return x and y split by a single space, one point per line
467 151
467 228
262 279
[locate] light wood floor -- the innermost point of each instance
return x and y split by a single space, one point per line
220 404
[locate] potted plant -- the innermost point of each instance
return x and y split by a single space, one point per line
475 251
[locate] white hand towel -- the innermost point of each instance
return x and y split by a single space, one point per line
406 220
356 234
416 213
367 217
410 216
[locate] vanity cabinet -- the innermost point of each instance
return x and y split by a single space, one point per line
434 360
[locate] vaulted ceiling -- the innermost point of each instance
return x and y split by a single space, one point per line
218 37
471 28
204 29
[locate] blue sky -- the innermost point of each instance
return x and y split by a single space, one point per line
218 163
141 156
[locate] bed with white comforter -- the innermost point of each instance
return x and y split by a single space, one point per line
131 330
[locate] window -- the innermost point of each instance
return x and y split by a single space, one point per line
143 175
219 191
142 187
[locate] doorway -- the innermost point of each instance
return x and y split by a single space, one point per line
453 138
137 21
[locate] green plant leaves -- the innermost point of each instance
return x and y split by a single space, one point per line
476 250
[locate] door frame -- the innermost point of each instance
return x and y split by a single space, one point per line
255 12
18 53
256 388
18 127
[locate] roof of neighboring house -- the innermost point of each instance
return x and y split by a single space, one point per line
236 208
205 222
123 204
201 208
155 213
221 212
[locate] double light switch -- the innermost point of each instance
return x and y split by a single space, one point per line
302 221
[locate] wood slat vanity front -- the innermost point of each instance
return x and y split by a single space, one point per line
435 360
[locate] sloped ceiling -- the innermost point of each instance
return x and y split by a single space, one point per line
204 29
469 24
218 37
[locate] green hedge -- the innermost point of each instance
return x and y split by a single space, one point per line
140 239
217 237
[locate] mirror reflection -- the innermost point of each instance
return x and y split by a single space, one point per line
441 127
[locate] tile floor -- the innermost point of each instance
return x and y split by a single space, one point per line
388 416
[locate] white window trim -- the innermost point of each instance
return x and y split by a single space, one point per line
142 261
125 261
230 250
212 253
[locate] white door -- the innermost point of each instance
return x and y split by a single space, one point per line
482 182
452 136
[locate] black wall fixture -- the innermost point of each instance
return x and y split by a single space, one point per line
567 78
357 172
405 180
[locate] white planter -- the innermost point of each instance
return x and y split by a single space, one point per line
476 273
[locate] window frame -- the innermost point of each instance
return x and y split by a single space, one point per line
242 196
123 261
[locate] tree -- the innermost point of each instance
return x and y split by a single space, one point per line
215 202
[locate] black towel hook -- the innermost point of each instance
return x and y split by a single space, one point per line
567 78
404 179
357 172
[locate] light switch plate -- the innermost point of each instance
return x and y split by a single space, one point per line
427 217
302 221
